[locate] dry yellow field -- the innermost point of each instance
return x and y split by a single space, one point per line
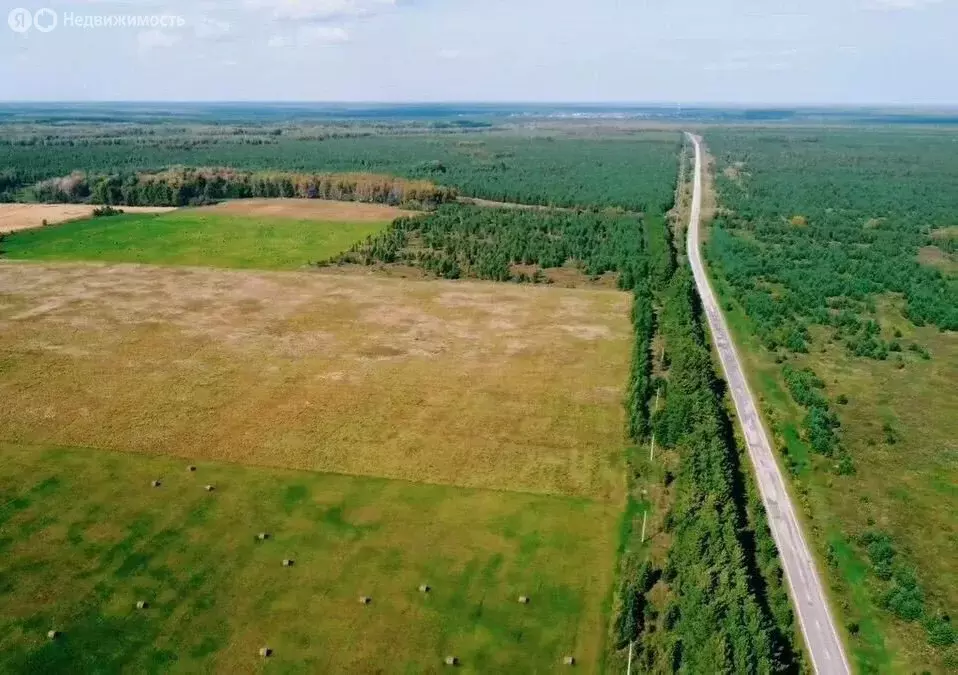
14 217
468 384
310 209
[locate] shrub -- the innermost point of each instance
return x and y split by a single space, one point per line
941 632
106 211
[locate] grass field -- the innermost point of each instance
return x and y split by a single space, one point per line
386 432
224 236
471 384
84 537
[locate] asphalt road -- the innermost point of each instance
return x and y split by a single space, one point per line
824 646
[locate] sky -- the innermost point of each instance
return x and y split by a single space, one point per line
753 52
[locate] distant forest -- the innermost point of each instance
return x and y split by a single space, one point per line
554 170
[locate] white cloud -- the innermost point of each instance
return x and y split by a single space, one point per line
449 54
149 40
311 35
320 10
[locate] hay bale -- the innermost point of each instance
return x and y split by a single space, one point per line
523 599
364 600
288 562
263 536
156 483
53 634
191 468
142 604
452 661
569 661
265 652
425 588
210 488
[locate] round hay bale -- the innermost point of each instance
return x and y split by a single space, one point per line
523 599
288 562
425 588
142 604
569 661
191 468
53 634
210 488
452 661
156 483
263 536
364 600
265 652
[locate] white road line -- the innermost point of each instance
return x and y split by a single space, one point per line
814 615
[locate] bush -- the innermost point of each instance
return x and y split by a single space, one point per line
905 599
941 632
106 211
880 551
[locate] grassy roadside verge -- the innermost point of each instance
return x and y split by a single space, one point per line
831 548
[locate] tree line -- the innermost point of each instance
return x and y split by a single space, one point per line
191 187
727 610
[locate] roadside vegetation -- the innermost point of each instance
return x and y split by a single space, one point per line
820 251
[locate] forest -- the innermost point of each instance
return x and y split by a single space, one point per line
823 239
558 170
814 227
485 243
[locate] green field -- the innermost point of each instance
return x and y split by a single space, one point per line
191 237
84 536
